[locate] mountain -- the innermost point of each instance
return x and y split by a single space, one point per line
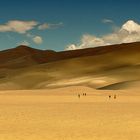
23 56
107 67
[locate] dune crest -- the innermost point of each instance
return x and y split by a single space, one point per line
107 67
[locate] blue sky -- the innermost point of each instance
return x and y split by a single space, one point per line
65 21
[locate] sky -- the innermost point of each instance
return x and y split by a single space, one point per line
68 24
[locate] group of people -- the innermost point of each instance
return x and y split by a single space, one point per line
115 96
84 94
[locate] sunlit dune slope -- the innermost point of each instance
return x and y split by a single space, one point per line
109 67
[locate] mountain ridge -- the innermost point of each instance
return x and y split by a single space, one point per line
45 56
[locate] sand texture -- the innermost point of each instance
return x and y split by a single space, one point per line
60 115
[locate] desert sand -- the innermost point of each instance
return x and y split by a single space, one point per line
60 115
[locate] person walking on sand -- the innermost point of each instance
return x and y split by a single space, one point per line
115 96
78 95
109 96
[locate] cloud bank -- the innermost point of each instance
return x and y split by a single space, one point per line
128 32
22 27
18 26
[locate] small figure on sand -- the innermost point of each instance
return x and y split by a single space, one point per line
78 95
109 96
115 96
84 94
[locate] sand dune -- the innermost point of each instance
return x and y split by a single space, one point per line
123 85
109 67
53 75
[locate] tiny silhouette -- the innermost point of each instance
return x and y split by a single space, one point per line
109 96
79 95
85 94
115 96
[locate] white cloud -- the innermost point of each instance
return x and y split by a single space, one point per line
128 32
49 26
44 26
107 21
37 40
87 41
91 41
131 27
18 26
72 47
25 43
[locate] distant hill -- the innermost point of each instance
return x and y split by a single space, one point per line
23 56
107 67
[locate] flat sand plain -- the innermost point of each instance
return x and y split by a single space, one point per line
61 115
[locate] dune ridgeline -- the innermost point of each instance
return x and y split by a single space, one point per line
114 67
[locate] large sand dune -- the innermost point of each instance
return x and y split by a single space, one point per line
60 115
109 67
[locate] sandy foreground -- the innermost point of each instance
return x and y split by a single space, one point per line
60 115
